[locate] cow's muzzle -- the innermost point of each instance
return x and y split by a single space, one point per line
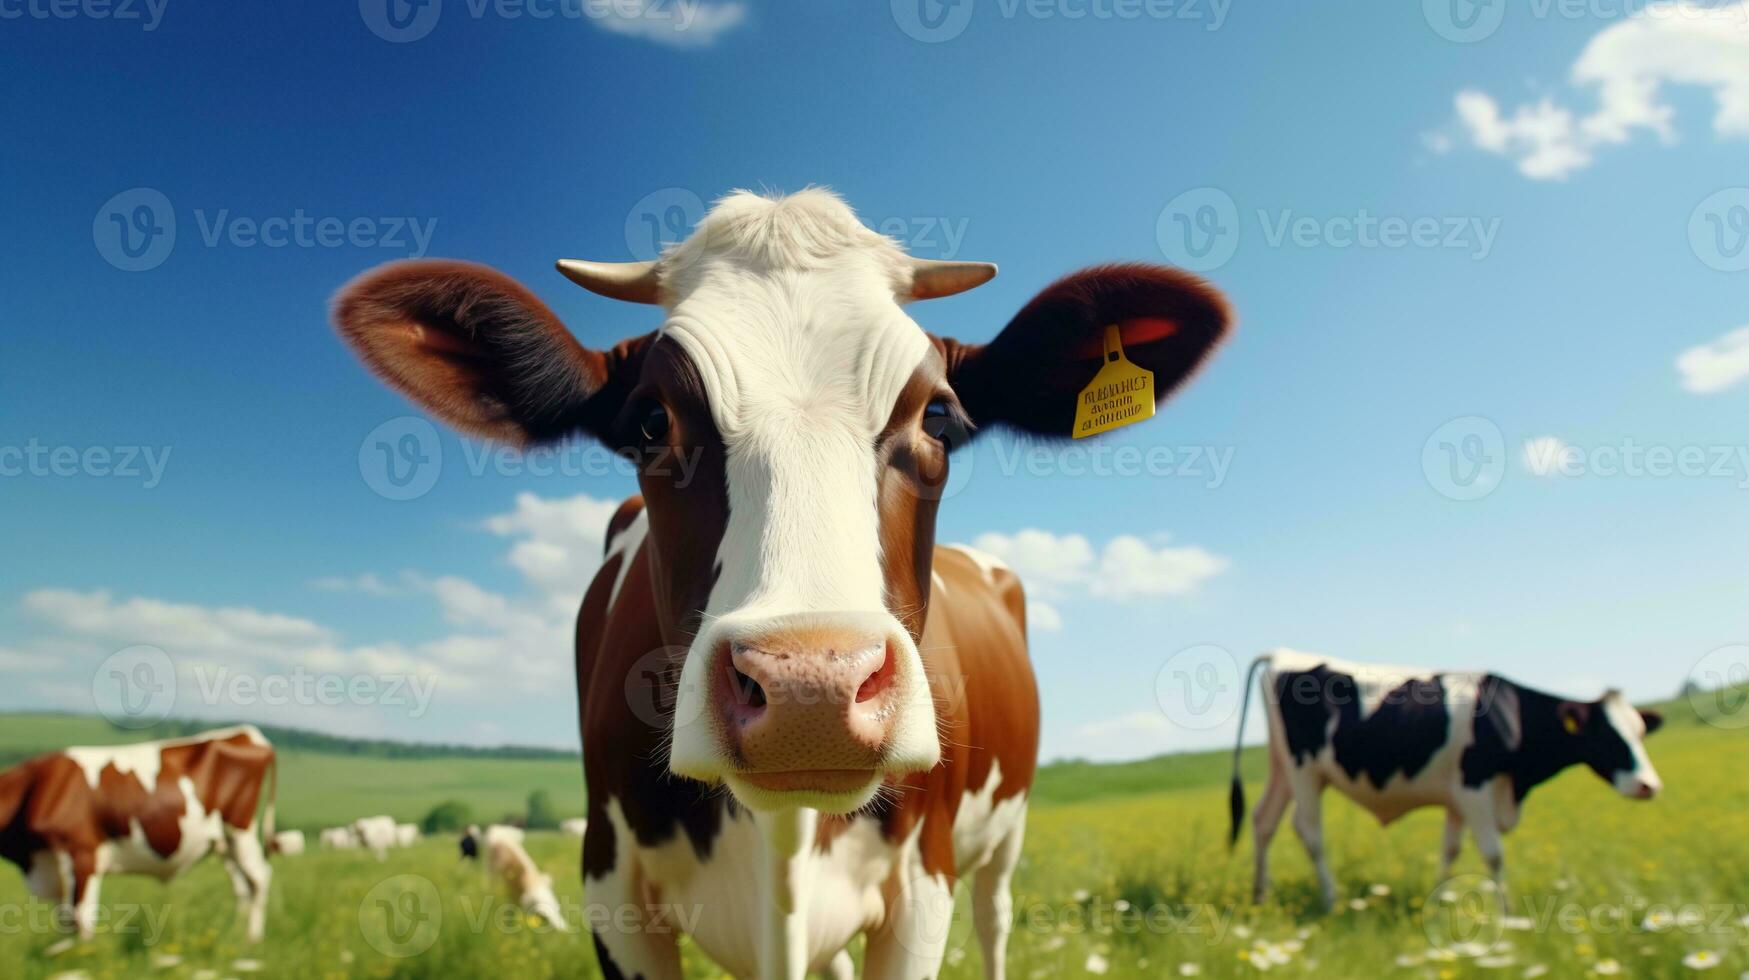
814 711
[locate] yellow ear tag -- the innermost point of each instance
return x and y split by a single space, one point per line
1122 393
1571 724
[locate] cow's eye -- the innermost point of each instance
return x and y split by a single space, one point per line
654 423
939 422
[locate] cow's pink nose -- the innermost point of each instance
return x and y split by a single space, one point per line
810 701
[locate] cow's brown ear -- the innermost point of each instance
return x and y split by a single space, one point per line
471 346
1030 376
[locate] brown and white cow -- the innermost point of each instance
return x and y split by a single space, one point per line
774 617
69 817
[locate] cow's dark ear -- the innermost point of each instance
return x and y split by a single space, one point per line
1030 376
1653 720
1575 715
471 346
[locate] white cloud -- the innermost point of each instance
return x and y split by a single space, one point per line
505 649
1717 365
369 583
1628 65
1545 456
1047 563
675 23
1132 569
559 544
1042 617
1126 568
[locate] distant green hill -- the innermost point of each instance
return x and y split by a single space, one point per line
325 780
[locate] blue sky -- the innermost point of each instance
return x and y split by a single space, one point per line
1562 195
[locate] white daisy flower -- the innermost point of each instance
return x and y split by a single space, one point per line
1657 920
1096 964
1606 968
1189 969
1701 959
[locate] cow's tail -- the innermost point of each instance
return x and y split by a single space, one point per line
1237 797
272 796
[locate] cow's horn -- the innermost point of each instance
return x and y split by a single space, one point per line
634 282
933 278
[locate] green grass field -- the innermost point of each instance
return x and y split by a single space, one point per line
1126 872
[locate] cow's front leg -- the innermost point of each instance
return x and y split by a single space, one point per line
627 942
910 944
81 890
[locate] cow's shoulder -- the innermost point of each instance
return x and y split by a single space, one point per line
966 574
975 653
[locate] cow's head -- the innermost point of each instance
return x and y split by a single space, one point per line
1609 736
791 555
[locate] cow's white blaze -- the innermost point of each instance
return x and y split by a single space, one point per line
789 309
1628 723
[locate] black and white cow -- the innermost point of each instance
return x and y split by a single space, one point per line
1396 739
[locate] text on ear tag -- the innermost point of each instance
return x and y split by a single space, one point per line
1121 394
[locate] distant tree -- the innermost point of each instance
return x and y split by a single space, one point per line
541 815
447 817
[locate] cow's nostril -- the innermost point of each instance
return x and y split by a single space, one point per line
877 681
748 690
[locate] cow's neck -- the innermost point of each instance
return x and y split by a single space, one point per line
787 837
1545 749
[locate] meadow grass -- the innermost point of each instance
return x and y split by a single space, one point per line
1115 877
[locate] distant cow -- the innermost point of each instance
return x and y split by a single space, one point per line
406 835
338 839
69 817
1396 739
474 840
800 716
576 826
509 865
288 842
376 834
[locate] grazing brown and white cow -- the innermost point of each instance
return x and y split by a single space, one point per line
773 616
69 817
1394 739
